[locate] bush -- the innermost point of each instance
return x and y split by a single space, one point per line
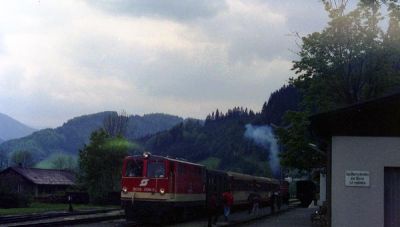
14 200
51 199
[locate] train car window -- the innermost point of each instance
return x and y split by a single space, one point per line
238 185
156 169
181 169
232 185
134 168
269 187
191 171
244 185
171 168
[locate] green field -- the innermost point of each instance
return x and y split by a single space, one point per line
46 207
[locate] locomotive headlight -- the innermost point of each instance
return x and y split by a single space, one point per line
146 154
124 190
162 191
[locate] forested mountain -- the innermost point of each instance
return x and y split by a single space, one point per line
220 142
72 135
280 101
11 128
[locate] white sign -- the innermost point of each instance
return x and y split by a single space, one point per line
355 178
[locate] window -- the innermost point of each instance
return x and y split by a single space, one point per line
181 169
134 168
155 169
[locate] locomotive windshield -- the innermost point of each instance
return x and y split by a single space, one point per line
134 168
155 169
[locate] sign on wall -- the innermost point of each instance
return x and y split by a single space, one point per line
355 178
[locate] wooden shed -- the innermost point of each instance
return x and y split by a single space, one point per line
36 181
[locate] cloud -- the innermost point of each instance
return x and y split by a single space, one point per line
181 10
67 58
251 31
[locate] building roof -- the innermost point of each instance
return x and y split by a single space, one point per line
45 176
377 117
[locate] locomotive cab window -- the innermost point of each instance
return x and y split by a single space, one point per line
181 169
134 168
156 169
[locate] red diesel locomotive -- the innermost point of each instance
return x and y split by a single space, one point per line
172 189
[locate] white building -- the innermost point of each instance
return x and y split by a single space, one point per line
363 171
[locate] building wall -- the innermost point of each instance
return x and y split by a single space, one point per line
16 183
361 206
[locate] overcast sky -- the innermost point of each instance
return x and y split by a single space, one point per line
61 59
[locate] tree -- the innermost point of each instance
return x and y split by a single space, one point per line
100 164
63 161
116 124
3 161
298 151
217 114
22 158
352 60
346 62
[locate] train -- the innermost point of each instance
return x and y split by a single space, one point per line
305 192
164 189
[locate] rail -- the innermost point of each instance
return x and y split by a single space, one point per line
63 218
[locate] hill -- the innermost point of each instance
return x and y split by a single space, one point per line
12 129
219 143
239 140
72 135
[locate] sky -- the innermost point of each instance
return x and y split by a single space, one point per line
66 58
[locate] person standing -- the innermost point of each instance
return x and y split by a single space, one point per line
212 209
228 202
256 205
272 203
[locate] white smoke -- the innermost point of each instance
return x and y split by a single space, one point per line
265 137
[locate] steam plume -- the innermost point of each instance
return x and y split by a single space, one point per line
264 136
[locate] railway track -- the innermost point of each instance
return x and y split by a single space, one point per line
78 218
33 217
58 219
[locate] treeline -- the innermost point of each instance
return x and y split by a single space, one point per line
287 98
234 113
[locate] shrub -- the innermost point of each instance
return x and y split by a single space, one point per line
14 200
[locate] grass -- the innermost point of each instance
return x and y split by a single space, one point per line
36 207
